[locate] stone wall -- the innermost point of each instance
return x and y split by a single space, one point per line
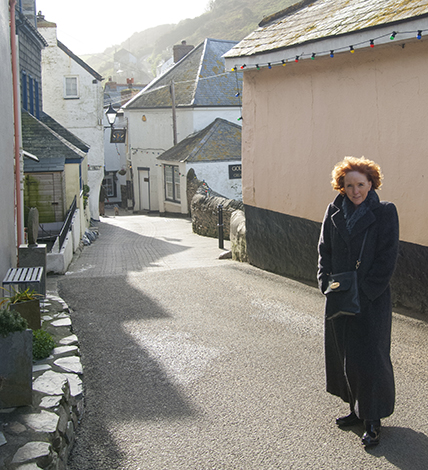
43 434
238 236
203 203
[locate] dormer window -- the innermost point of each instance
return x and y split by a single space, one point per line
71 87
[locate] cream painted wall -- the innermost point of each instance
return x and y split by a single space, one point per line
170 206
301 119
7 227
82 116
216 175
149 138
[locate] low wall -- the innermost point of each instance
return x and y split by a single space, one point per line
238 236
203 203
58 260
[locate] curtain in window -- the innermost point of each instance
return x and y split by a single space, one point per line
177 184
70 86
169 182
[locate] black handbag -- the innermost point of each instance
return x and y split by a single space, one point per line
342 291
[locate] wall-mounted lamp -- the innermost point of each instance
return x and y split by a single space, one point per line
144 119
111 114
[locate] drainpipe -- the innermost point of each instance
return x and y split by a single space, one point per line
16 115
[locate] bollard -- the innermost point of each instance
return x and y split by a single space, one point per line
220 227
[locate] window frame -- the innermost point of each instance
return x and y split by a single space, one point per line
172 183
71 96
109 182
31 94
24 86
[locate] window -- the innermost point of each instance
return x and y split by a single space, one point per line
36 94
31 93
110 186
172 183
24 90
71 88
80 177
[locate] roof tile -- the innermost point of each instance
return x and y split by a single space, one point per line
220 141
324 18
200 79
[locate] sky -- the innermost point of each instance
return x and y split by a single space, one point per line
90 26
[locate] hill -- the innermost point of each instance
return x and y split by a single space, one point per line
224 19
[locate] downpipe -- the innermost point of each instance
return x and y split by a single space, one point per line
17 128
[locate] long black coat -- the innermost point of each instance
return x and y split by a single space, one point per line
357 349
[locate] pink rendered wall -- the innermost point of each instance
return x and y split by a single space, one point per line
301 119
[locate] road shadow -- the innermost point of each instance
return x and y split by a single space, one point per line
403 447
123 382
119 250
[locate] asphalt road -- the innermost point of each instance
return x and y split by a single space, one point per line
191 362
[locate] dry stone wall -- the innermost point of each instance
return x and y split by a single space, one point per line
204 208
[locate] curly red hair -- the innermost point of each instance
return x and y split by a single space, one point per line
362 165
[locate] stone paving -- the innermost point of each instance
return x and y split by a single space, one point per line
42 435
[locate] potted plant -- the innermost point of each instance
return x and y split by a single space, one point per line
16 353
27 303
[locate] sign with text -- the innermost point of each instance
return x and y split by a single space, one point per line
235 172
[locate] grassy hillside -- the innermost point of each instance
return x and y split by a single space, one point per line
224 19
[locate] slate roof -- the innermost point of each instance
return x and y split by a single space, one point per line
200 79
220 141
312 20
63 132
50 147
23 22
77 59
115 97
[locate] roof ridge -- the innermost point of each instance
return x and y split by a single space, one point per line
280 14
210 129
44 115
198 74
68 144
154 84
81 62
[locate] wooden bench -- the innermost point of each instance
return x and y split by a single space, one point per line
25 278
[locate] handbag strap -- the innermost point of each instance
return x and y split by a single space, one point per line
357 265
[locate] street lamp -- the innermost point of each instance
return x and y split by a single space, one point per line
111 115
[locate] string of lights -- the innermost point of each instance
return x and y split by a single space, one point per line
331 52
296 58
182 82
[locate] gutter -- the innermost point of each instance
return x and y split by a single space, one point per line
16 115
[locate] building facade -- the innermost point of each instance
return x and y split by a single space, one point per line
350 80
8 248
73 96
184 100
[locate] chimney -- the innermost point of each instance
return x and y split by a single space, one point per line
181 50
28 7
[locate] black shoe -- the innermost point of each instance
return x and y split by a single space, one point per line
372 435
349 420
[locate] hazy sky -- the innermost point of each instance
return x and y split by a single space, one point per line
88 26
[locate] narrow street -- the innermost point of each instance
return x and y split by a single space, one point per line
191 362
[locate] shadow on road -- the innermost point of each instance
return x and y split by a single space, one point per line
405 448
123 382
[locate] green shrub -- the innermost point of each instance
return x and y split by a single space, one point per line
11 322
43 344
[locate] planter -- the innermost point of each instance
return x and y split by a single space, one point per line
29 310
16 366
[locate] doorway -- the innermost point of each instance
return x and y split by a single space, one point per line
144 188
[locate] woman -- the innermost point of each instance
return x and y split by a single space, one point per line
357 348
